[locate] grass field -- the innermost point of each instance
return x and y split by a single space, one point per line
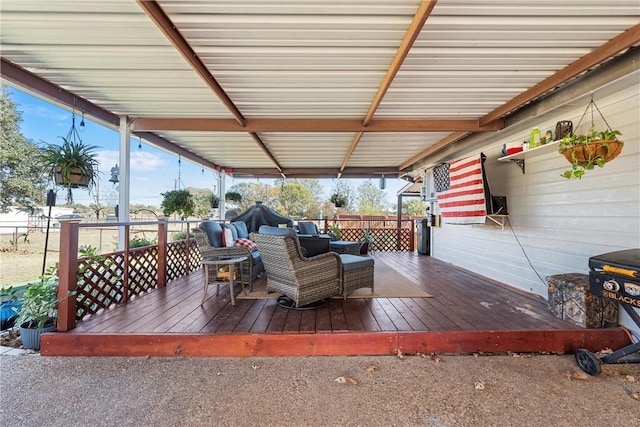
22 262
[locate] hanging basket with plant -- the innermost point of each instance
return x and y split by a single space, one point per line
233 197
72 164
179 202
338 199
596 148
214 200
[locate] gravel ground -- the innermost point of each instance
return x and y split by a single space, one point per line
496 390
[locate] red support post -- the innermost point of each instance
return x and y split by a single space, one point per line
187 250
412 236
127 263
162 251
67 273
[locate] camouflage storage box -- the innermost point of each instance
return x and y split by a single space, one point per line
570 299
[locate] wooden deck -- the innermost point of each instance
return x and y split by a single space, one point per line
468 313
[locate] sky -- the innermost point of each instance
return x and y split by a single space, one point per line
153 171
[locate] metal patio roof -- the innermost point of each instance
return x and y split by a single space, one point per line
301 88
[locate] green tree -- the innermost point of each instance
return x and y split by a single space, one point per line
253 192
414 207
21 179
371 199
294 199
202 201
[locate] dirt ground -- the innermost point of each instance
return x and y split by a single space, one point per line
505 390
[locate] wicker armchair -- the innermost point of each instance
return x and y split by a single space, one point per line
304 280
209 251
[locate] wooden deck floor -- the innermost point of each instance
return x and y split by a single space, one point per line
467 313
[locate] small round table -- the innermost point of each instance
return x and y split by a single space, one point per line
217 262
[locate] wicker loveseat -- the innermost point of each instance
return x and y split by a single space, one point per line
303 280
209 237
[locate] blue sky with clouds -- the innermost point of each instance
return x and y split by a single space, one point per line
153 171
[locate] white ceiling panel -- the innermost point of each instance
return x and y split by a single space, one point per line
281 61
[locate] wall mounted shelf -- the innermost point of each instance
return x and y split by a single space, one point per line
499 220
520 157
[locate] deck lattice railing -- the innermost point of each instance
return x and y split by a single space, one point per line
387 235
89 285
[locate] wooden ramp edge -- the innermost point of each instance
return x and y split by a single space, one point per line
331 344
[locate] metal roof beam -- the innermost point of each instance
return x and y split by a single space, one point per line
266 150
598 56
313 125
42 88
351 172
423 12
443 143
155 12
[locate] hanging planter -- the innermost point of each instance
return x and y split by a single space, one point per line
215 201
338 199
607 150
72 164
74 178
596 148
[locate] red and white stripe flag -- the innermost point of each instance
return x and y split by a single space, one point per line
464 201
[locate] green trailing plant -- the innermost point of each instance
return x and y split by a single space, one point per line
585 152
233 197
179 202
71 165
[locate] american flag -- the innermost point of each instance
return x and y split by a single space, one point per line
462 199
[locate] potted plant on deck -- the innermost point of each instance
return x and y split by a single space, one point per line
366 242
38 308
585 152
70 165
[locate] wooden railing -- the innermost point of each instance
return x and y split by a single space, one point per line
88 285
387 235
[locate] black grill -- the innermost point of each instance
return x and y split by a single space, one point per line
616 276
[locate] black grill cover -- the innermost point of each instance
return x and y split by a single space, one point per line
259 214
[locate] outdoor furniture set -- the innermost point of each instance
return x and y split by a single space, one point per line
303 276
309 230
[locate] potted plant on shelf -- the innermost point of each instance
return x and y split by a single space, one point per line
585 152
38 308
70 165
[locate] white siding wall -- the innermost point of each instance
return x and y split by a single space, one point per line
555 224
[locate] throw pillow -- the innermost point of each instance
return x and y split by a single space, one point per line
227 238
247 244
